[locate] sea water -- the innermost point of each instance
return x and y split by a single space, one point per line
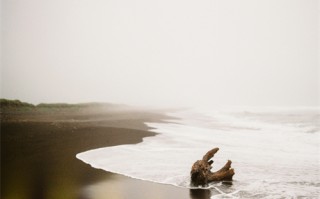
275 152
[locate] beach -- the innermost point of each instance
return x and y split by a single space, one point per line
98 151
39 147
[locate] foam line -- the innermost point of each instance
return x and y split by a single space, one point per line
273 152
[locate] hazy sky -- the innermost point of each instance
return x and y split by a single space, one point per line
162 52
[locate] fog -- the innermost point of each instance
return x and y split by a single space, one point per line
161 53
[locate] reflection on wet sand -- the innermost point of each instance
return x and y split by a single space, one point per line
120 187
34 165
200 193
219 189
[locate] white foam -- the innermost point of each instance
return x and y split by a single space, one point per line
273 153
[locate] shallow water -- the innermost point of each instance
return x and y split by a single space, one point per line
275 153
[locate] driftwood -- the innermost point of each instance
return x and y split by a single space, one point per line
201 170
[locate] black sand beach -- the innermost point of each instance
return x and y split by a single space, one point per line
39 145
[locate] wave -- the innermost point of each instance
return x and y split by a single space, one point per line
269 150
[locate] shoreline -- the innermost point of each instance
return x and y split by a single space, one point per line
39 147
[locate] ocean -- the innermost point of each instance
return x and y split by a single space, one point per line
275 152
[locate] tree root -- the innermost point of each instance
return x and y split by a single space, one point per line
201 170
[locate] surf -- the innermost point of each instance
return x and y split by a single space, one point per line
274 152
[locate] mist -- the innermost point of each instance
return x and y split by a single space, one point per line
161 53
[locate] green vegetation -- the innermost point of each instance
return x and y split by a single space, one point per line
66 105
57 105
14 103
17 105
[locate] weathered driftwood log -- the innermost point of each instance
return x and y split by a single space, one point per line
201 170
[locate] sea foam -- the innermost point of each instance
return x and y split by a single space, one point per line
275 153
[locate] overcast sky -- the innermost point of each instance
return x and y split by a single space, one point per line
162 52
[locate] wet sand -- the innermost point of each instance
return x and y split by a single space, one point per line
39 145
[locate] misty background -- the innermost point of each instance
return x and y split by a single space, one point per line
161 53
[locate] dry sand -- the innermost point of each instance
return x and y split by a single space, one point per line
39 145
